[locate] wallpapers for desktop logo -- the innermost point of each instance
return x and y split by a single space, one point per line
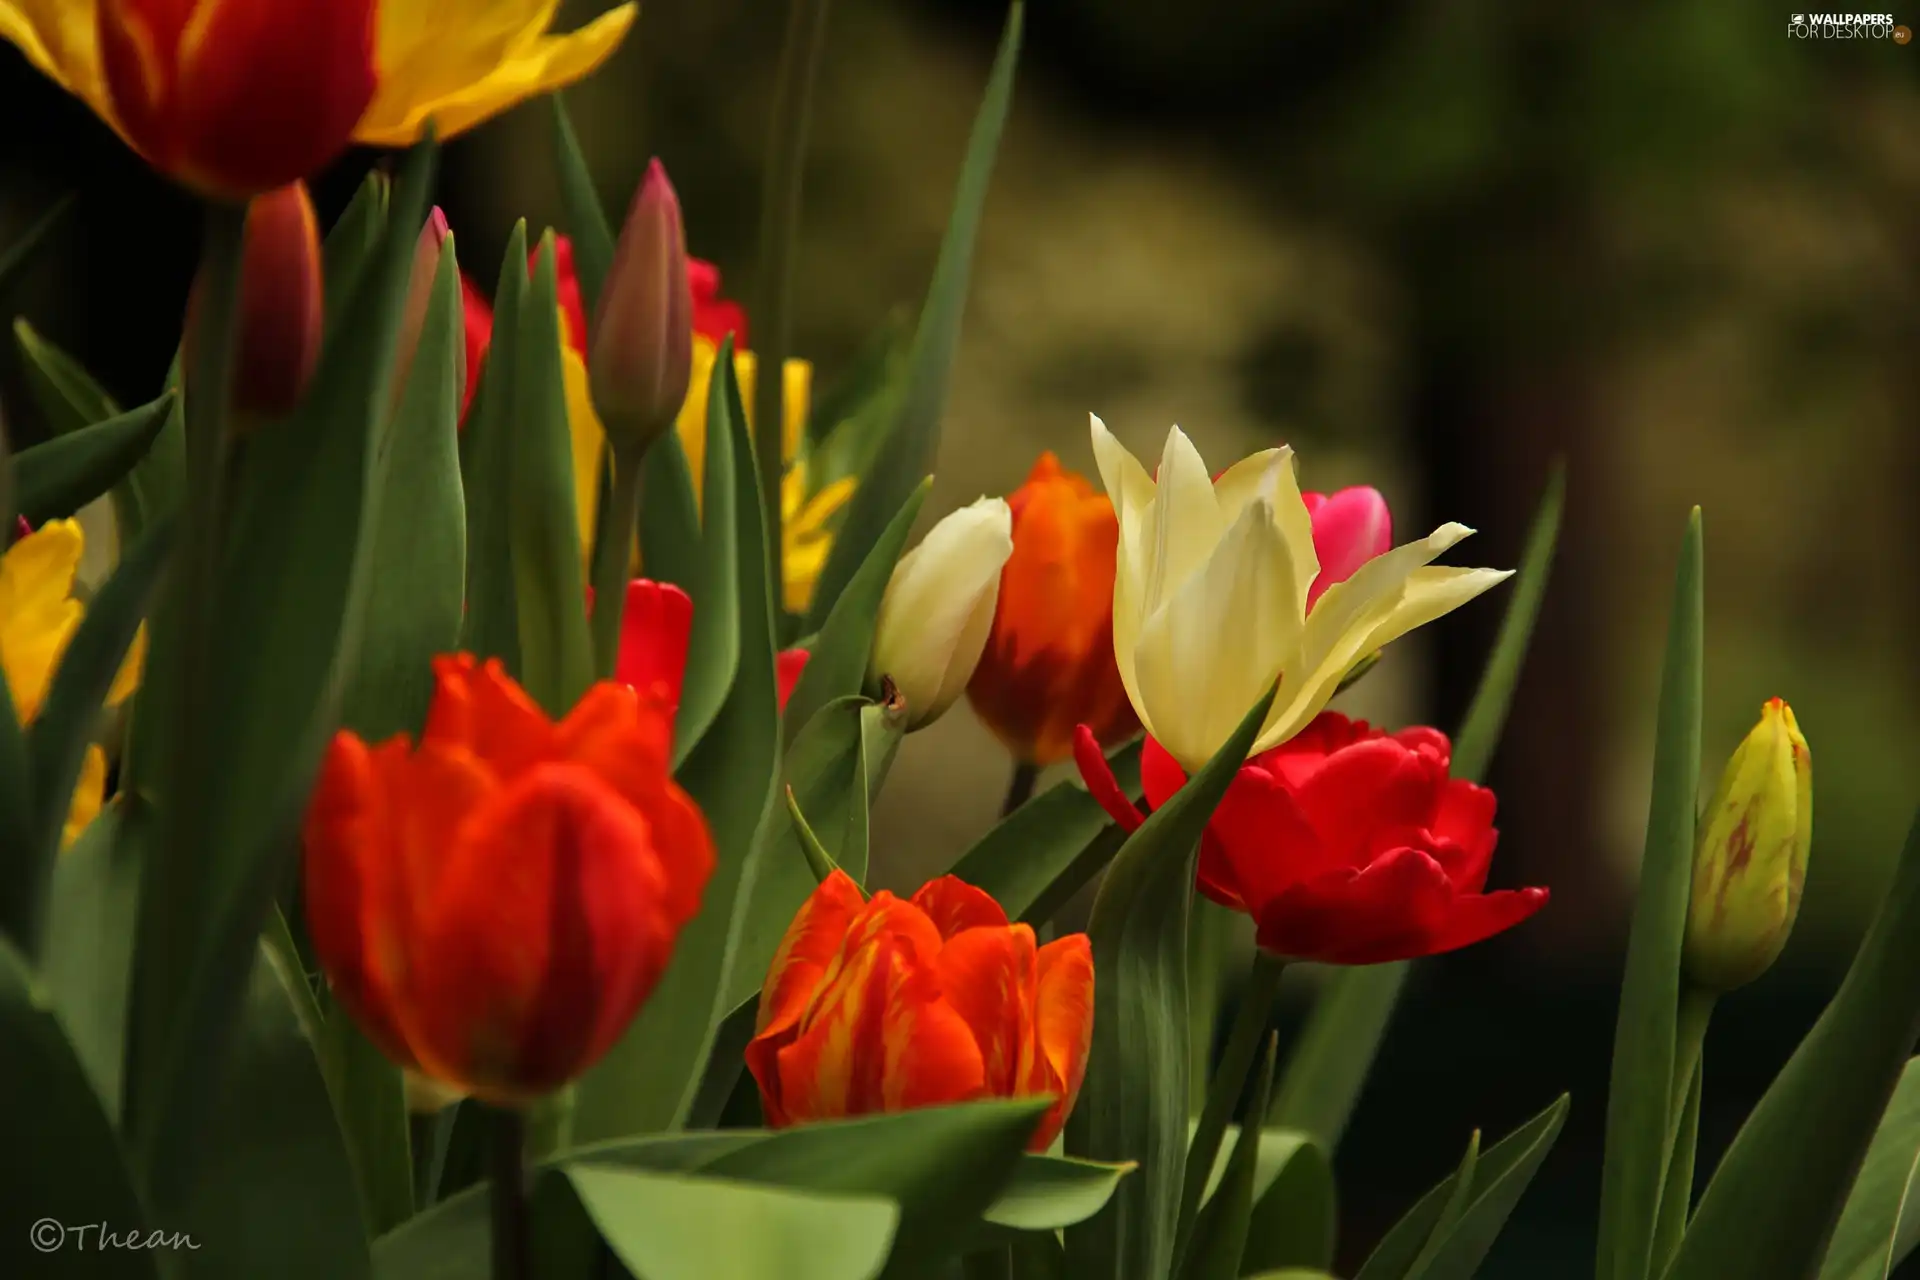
1846 26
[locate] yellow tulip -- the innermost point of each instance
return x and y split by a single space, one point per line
38 616
1210 597
456 63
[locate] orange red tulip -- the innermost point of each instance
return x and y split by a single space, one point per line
888 1005
494 905
1049 664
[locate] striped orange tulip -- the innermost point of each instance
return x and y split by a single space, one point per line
888 1005
1049 662
494 906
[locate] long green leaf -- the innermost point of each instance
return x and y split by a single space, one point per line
270 655
1133 1104
1295 1220
1336 1050
1220 1236
64 1174
68 396
56 479
87 960
1051 847
1881 1223
714 649
908 454
492 628
667 1226
837 662
353 241
1499 1177
1773 1203
650 1079
19 255
669 517
581 209
1640 1095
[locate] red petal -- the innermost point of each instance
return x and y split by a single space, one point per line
654 632
953 905
1394 909
1101 784
477 316
1476 917
480 707
1465 823
1366 787
787 666
1064 1025
989 976
1296 760
1266 845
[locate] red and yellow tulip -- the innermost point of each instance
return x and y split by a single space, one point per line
494 905
888 1005
236 97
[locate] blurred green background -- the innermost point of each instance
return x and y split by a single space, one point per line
1432 244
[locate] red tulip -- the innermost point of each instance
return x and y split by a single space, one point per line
1049 663
237 97
493 906
1346 845
884 1006
654 633
714 317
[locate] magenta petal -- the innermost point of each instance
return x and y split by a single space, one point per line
1350 528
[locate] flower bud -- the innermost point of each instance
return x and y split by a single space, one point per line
642 334
234 97
938 609
413 316
280 318
1751 859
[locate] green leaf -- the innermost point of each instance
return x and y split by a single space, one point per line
907 456
487 460
67 394
1133 1104
1220 1235
277 1196
827 769
837 660
20 254
419 532
1294 1222
669 517
580 208
1881 1223
369 1096
1640 1095
1049 1193
353 241
1774 1201
666 1226
89 948
1336 1049
1450 1211
64 1165
1676 1191
270 655
56 479
451 1241
714 649
650 1079
556 649
1499 1178
1048 849
57 740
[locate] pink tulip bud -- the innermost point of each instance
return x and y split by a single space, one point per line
1350 528
641 358
413 318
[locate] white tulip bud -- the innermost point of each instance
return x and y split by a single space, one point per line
938 610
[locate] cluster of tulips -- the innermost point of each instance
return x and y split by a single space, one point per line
521 670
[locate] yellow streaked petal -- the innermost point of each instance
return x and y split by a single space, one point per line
88 795
447 78
57 37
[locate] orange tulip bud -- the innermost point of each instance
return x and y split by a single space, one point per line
888 1005
493 906
1049 662
236 97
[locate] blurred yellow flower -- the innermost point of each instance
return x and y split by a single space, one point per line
38 616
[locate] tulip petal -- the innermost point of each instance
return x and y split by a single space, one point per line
479 706
1363 788
1182 526
58 38
1464 825
654 632
1274 473
38 614
954 905
788 666
988 976
1245 593
1477 917
456 98
1064 1025
1350 528
807 948
542 939
1393 909
1101 784
938 607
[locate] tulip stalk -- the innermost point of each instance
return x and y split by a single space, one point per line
1229 1082
779 236
1020 787
512 1236
612 550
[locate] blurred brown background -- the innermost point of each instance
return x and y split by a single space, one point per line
1431 244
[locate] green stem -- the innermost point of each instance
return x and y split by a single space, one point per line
1683 1122
612 554
1229 1082
1690 1034
779 235
512 1242
1019 787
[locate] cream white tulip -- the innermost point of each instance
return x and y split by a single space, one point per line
1210 596
938 610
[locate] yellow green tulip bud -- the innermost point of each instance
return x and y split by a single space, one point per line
1751 859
